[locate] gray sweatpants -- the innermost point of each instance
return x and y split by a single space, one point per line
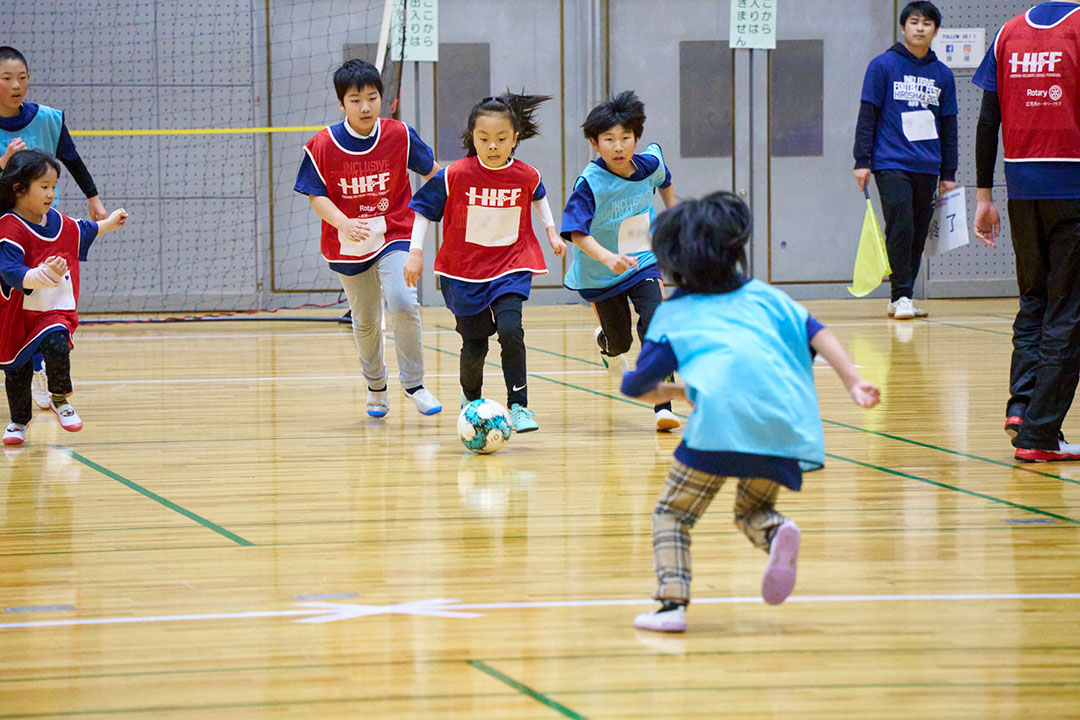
386 279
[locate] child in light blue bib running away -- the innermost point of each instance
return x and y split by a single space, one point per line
745 351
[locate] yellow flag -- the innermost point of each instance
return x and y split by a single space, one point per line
871 261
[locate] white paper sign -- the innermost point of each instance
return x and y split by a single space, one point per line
421 31
753 24
948 226
960 47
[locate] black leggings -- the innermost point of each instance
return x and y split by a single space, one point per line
54 347
616 324
503 317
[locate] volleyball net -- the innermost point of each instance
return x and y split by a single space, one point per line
193 116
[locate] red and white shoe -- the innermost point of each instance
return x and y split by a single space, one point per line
69 419
779 578
15 434
1065 452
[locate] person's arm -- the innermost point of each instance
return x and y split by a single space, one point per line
13 147
428 206
667 194
421 157
15 274
987 218
543 210
615 262
354 229
950 154
67 154
646 382
865 394
414 266
865 133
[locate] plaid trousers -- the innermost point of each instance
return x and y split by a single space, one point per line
686 495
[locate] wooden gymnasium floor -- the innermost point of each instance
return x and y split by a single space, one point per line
231 537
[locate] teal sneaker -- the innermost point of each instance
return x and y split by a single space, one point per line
523 418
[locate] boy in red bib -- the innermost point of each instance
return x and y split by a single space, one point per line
355 175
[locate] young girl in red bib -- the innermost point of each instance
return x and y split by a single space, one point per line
40 250
489 252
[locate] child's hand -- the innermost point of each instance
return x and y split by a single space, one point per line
414 267
865 394
117 218
355 230
558 245
13 147
57 265
619 264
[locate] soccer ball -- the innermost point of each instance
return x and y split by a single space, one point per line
484 426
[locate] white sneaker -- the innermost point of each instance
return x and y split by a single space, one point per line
903 309
919 312
69 419
15 434
425 401
617 364
666 420
39 389
670 621
378 403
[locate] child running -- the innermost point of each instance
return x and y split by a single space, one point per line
489 252
355 176
29 126
40 251
607 218
746 352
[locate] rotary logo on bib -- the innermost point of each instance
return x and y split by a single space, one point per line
384 204
1055 93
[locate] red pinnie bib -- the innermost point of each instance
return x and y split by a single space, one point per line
26 316
1038 74
373 185
487 224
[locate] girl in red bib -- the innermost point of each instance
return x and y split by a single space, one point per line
40 250
489 252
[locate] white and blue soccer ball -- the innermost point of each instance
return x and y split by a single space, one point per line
484 426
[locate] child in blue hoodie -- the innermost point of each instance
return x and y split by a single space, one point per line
906 135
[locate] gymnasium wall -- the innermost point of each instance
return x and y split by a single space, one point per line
215 224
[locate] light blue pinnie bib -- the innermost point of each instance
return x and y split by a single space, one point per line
745 358
41 133
624 214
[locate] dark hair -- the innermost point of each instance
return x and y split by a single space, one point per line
9 53
23 168
921 7
356 74
518 108
624 109
701 244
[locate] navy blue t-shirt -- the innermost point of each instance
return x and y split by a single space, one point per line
904 87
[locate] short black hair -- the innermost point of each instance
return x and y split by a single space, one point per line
921 7
700 244
22 169
624 109
356 74
9 53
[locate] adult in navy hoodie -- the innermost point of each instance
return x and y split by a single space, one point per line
906 135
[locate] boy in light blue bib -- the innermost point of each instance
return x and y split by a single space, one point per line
607 217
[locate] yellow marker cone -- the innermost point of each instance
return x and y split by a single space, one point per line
871 261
